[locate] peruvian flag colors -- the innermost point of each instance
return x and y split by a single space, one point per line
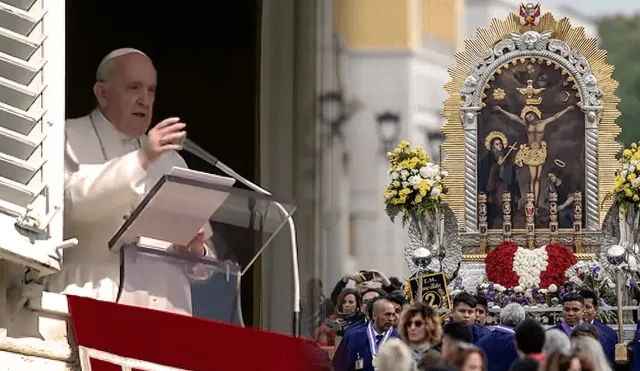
510 266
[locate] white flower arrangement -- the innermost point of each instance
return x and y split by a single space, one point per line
528 265
591 274
415 185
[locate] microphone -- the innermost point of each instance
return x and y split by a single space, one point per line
191 147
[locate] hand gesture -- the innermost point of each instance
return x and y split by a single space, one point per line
196 246
356 277
497 108
163 138
380 277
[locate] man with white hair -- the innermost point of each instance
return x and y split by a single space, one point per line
500 345
556 342
109 166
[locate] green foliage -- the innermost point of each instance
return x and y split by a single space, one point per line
620 37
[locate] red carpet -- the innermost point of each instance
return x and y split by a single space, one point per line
185 342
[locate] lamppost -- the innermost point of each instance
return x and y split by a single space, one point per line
333 112
388 130
618 257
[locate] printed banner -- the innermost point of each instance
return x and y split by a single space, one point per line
434 290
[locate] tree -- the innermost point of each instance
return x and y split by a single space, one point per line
620 37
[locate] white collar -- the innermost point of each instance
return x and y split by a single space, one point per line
107 130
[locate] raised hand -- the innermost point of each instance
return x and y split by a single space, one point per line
163 138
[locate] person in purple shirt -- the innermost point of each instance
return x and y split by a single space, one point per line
499 346
464 310
572 312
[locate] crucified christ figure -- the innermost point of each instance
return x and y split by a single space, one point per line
534 153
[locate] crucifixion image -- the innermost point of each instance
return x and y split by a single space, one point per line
533 154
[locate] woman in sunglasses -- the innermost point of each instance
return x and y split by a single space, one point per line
419 328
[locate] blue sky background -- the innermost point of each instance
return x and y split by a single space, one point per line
596 8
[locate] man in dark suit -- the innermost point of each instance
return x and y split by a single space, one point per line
359 347
607 336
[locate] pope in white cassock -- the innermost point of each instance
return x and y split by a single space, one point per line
110 164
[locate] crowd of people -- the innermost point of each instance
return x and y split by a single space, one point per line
374 327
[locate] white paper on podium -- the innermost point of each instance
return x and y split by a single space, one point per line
177 211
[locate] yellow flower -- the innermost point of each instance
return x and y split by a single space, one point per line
631 177
628 192
627 153
636 156
418 199
634 146
636 198
396 183
399 200
403 144
404 192
423 188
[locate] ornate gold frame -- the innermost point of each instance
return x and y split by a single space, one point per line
476 49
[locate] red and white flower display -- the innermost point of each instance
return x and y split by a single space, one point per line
529 264
511 266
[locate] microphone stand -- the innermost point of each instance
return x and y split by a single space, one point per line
196 150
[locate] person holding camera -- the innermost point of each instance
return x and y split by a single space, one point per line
363 280
347 313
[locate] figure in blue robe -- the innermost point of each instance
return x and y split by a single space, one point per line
355 348
499 348
608 339
635 348
478 331
362 323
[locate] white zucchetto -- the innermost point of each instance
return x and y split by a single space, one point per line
103 67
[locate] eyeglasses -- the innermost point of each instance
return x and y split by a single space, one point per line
415 323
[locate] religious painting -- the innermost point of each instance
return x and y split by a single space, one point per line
531 140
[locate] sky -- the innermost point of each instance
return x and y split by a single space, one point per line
596 8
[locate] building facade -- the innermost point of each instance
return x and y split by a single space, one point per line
380 58
396 56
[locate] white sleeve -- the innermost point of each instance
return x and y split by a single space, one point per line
94 191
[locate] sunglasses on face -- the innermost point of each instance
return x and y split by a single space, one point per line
415 323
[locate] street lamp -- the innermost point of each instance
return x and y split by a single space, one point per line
333 111
388 130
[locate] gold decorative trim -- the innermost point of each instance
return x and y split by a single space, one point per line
474 257
475 49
